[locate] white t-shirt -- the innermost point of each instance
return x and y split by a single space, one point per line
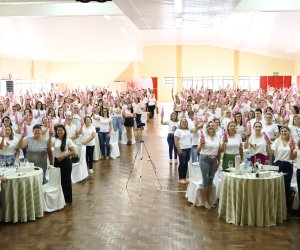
281 152
298 158
172 126
270 130
56 145
71 130
233 144
260 145
295 132
211 146
96 121
104 124
9 147
185 139
87 133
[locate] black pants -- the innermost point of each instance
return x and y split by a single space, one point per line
89 156
65 174
298 183
151 110
287 168
138 120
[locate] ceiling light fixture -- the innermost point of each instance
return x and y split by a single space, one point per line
289 50
107 17
178 6
123 30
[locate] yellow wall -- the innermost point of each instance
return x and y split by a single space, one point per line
160 62
207 61
257 65
81 74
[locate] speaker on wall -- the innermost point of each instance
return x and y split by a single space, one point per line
10 86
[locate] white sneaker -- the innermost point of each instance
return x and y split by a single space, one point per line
91 171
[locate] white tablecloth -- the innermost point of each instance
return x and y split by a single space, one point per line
22 197
247 200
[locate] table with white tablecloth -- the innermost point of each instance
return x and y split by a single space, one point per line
22 197
247 200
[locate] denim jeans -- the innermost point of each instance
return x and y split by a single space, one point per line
207 167
118 125
194 153
104 143
172 146
183 163
8 158
138 120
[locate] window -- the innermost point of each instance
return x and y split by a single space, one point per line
249 82
170 81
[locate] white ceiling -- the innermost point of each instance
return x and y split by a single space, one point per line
63 30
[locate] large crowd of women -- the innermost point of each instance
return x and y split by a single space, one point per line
206 126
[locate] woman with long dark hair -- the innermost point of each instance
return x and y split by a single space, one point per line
63 150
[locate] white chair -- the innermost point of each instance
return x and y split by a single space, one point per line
294 186
114 145
195 184
97 151
79 170
52 191
124 137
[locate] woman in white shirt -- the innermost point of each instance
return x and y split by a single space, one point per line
183 143
8 146
295 128
63 150
281 148
151 105
88 134
270 128
231 145
259 148
172 126
209 148
105 134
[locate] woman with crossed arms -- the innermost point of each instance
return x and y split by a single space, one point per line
209 148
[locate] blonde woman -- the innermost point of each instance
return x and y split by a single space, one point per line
209 160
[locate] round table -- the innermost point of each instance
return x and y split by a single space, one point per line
22 197
247 200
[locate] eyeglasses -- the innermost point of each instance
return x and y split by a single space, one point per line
268 117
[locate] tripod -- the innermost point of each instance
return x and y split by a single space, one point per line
140 150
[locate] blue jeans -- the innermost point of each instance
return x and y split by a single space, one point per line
183 163
118 125
172 146
8 158
195 154
207 167
104 143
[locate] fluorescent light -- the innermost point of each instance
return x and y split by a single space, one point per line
178 22
107 17
178 6
289 50
123 30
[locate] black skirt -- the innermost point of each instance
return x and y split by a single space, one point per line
129 122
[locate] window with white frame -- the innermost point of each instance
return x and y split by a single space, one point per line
170 81
249 82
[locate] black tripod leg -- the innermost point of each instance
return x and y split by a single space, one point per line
131 170
153 166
